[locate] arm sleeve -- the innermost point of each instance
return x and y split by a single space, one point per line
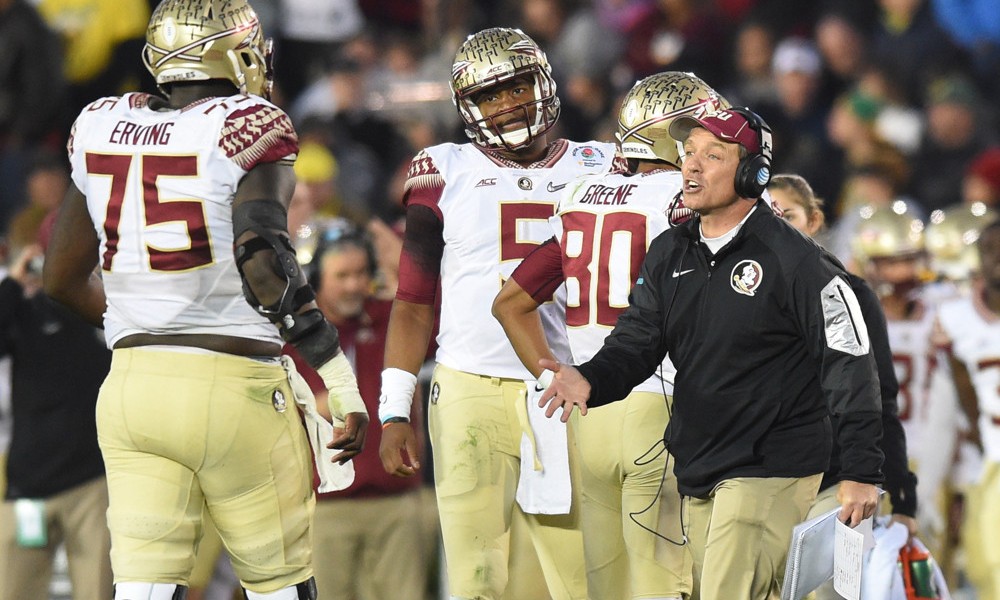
11 297
420 259
636 346
900 482
830 318
540 273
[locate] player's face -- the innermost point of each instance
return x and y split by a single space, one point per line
709 171
989 257
792 211
503 103
345 282
897 270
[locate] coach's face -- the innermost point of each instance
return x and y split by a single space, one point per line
709 170
345 283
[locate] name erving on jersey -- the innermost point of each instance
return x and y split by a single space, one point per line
602 194
133 134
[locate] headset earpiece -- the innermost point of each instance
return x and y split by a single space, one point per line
754 171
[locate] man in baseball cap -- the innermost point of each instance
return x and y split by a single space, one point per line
750 431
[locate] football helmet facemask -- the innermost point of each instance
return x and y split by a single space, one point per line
652 105
492 57
197 40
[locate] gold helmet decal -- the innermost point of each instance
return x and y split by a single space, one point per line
196 40
951 238
492 57
652 105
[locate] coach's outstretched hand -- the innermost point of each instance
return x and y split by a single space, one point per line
568 387
399 444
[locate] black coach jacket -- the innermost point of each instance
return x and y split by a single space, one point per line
768 341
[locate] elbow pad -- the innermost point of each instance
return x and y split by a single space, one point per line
282 278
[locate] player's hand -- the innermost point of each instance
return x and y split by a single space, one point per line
398 444
351 437
857 502
568 388
909 522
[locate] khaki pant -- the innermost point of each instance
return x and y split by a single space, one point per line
622 466
179 431
476 425
370 548
75 518
739 535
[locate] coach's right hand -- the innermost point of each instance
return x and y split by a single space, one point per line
569 388
399 444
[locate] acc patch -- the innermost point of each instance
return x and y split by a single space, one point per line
435 392
278 401
746 277
588 156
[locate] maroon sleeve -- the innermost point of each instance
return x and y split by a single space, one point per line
423 239
540 273
256 134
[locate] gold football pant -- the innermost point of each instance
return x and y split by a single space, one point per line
982 524
180 429
476 424
622 464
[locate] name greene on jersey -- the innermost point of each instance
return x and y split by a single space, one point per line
134 134
607 195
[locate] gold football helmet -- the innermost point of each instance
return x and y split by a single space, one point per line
195 40
951 239
494 56
652 105
889 232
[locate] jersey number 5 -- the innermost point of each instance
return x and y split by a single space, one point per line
155 211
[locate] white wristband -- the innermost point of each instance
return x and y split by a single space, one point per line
339 379
545 379
397 394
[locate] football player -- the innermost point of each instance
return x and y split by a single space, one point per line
971 328
473 211
198 409
603 227
889 249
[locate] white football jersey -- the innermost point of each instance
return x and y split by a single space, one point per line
494 214
913 360
974 332
159 187
605 225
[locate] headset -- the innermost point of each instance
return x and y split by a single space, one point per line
754 171
338 235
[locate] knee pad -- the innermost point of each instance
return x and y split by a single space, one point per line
139 590
302 591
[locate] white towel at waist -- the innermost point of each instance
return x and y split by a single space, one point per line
544 485
332 476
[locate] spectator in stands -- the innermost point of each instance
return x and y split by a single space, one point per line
31 95
956 133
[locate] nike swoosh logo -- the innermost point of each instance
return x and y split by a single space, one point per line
554 188
678 274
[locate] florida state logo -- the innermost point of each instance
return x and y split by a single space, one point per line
746 277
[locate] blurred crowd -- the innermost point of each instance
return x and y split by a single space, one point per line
869 99
879 104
